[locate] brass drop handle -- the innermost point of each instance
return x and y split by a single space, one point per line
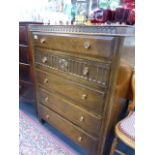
81 119
45 80
44 59
46 99
80 139
85 71
47 117
86 45
84 96
42 41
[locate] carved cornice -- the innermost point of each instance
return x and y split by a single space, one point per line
82 29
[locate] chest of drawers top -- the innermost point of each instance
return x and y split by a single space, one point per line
118 30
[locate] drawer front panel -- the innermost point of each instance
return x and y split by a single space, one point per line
89 98
24 54
92 71
67 128
24 72
77 115
23 38
90 45
26 92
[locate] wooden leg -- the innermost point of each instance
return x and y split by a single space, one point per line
113 147
41 120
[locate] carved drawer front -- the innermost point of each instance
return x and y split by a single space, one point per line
78 116
89 98
87 45
67 128
89 70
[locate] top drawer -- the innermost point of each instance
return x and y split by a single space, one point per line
23 38
87 45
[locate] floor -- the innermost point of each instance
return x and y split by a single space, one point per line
30 110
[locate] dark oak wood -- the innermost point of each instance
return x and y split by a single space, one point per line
23 54
95 71
82 79
83 118
24 70
89 98
75 133
23 38
26 92
86 45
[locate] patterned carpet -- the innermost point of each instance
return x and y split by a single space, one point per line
35 140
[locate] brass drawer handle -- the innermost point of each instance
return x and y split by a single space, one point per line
81 119
44 59
42 41
86 45
85 71
35 37
45 80
84 97
47 117
80 139
46 99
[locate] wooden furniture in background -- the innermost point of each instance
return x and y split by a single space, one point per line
122 132
82 79
26 88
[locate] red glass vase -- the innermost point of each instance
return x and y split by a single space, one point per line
100 16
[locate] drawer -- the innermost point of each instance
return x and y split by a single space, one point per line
78 116
96 72
89 98
26 93
23 38
87 45
23 54
67 128
24 72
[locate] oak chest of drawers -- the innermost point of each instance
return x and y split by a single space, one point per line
82 79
